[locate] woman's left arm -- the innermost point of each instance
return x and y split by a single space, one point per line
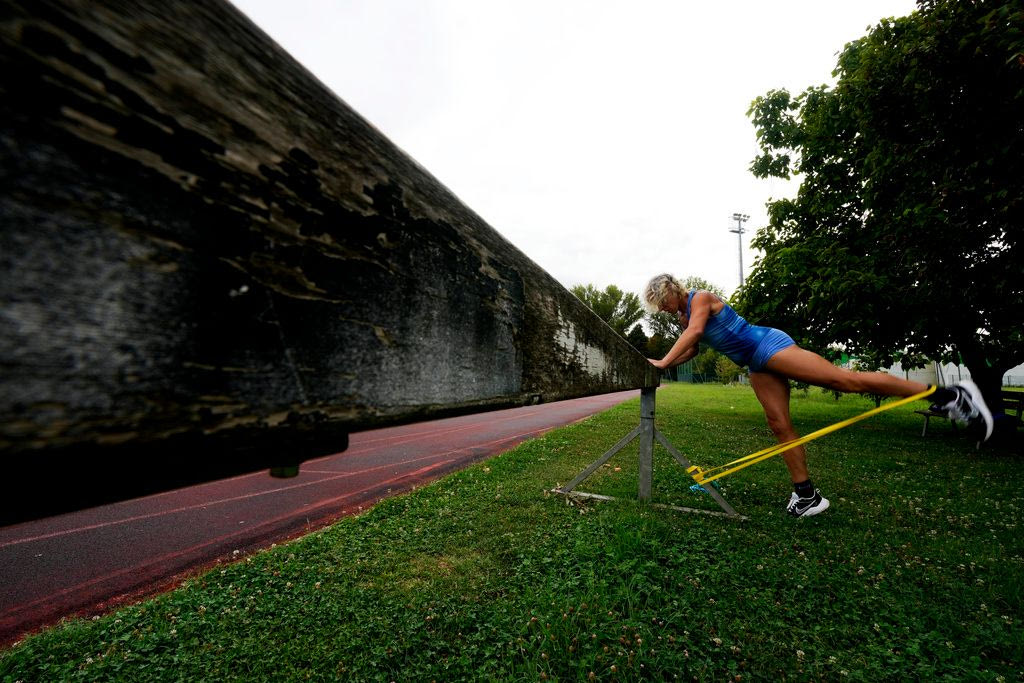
687 355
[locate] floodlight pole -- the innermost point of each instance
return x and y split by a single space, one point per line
740 218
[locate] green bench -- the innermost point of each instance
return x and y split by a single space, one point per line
1012 404
929 414
1013 401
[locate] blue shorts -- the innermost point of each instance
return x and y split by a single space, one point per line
771 343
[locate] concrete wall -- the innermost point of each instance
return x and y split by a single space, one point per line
208 259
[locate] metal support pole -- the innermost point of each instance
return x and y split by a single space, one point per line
622 443
681 459
647 434
646 442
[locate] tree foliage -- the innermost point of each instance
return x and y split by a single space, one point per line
705 363
726 370
904 238
637 339
621 310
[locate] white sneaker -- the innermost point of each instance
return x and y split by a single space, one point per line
806 507
969 406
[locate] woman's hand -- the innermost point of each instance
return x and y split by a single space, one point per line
660 364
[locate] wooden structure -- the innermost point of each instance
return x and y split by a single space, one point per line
210 264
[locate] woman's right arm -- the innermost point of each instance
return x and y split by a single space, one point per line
685 347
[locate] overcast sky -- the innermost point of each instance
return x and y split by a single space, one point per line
607 140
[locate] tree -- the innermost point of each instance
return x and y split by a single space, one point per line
621 310
705 364
617 308
904 238
637 339
726 370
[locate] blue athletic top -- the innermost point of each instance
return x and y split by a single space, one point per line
744 344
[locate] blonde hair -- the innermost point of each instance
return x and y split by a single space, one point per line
657 290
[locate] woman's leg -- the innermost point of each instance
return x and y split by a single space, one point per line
773 393
806 366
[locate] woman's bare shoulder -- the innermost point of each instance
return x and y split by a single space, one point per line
713 301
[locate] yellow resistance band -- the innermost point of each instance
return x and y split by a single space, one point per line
702 476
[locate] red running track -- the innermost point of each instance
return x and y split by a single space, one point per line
89 561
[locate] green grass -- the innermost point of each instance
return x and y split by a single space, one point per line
916 572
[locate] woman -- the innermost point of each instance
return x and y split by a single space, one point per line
773 359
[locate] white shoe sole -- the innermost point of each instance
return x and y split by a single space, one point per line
810 512
979 402
817 509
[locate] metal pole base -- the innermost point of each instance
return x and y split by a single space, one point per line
647 434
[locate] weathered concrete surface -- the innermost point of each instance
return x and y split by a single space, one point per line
209 263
